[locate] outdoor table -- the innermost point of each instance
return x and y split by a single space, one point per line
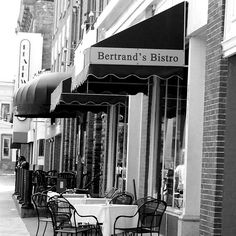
75 200
52 194
106 214
75 195
67 195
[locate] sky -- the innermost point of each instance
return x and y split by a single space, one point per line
9 12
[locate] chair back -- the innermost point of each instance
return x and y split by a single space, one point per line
111 192
40 204
52 178
142 200
124 198
52 173
64 215
150 214
61 212
70 178
40 180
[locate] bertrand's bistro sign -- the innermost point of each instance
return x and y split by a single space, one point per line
134 56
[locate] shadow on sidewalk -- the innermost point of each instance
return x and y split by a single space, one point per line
31 225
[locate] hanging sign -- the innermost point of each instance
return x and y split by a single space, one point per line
133 56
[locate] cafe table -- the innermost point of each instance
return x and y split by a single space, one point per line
67 195
75 200
106 215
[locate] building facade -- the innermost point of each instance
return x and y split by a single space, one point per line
8 157
177 119
34 37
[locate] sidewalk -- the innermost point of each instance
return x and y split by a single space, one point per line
11 224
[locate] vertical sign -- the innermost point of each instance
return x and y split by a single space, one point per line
24 61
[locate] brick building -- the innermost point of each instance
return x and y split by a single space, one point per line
37 17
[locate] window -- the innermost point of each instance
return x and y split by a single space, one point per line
5 111
41 147
6 141
173 112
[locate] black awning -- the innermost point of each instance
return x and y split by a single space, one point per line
18 138
34 98
125 62
63 101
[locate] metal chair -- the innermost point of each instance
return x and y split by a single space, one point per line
70 179
64 218
124 198
142 200
39 181
40 204
150 215
51 177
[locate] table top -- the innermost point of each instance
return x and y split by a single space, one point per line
75 195
67 195
76 200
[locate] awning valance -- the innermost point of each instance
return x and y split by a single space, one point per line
63 101
34 98
124 62
18 138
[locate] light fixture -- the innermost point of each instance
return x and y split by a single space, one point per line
83 26
91 13
65 49
67 63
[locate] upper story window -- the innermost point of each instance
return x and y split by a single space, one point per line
5 111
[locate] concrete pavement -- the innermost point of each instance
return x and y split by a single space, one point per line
11 224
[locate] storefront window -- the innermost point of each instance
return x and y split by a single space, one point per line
173 112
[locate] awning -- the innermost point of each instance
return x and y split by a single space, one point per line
18 138
125 62
63 101
34 98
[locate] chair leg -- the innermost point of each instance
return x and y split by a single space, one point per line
37 228
46 223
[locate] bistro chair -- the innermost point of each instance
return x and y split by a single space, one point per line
124 198
64 218
142 200
40 204
51 176
150 215
39 181
70 178
52 173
